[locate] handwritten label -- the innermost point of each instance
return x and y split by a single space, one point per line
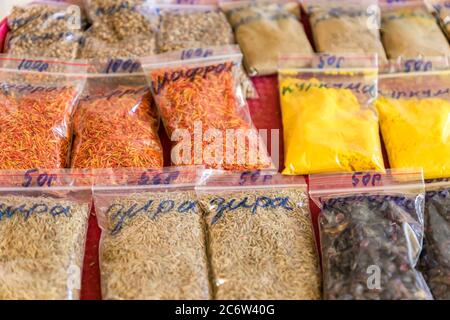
122 66
327 60
158 178
223 206
261 16
401 201
445 193
415 65
420 94
153 209
40 179
20 22
116 8
6 87
34 65
196 53
27 210
119 93
191 74
358 87
248 177
365 179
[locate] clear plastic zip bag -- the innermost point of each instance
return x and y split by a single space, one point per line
345 27
120 29
193 27
435 260
43 225
153 243
371 233
37 98
45 29
260 237
204 111
264 30
409 30
414 109
115 122
330 123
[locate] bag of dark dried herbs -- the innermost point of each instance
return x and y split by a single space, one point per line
153 243
43 224
193 27
435 261
371 234
260 237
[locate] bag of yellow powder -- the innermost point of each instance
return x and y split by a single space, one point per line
329 123
409 30
414 113
266 29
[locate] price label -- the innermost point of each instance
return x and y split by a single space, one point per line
327 60
33 65
122 66
33 177
365 179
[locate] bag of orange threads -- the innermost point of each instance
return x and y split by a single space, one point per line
115 124
204 111
36 103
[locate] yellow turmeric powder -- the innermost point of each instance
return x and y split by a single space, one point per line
416 133
326 129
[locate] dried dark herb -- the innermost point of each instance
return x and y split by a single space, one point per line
370 237
436 257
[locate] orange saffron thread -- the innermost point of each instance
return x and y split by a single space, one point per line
211 100
116 132
35 129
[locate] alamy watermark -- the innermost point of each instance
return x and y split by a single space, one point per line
374 279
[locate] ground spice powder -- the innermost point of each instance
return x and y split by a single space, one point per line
327 129
411 31
266 30
344 29
416 133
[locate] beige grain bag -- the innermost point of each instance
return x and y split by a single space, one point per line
265 30
260 237
347 27
43 225
409 30
153 243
